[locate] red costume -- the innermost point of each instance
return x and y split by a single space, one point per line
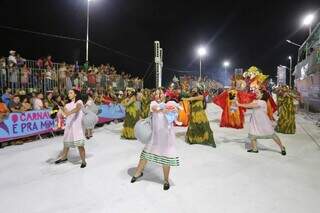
232 115
172 95
271 107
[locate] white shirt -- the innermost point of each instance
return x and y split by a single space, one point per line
12 59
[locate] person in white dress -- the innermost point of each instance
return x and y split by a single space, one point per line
90 118
161 149
73 133
260 125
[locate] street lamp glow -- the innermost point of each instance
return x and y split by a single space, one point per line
308 19
226 63
202 51
289 57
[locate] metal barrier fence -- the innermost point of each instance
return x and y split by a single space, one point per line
33 77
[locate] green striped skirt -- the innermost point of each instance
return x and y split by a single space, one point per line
163 160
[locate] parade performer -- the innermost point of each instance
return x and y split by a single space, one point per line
232 115
145 103
184 113
90 118
287 119
161 148
256 80
132 114
73 133
199 131
260 125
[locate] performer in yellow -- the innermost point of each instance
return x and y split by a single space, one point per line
145 103
199 130
132 115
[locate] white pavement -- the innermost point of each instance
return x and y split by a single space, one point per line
226 179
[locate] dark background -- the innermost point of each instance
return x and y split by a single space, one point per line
244 32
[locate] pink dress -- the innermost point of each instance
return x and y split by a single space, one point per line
260 124
73 133
161 149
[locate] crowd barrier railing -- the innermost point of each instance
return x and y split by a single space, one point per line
45 79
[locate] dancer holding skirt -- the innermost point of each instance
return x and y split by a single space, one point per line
260 124
161 148
73 133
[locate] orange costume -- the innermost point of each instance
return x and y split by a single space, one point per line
232 115
184 113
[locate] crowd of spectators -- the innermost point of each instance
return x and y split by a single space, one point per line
35 85
44 75
20 101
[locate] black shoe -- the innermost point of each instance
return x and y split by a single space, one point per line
283 151
214 145
134 179
83 165
60 161
253 151
166 186
87 137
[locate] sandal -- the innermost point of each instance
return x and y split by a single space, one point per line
253 151
166 186
134 179
283 151
60 161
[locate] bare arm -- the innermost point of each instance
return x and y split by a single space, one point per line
75 110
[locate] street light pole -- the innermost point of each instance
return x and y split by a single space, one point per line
201 52
87 40
310 29
290 72
225 75
295 44
200 68
225 64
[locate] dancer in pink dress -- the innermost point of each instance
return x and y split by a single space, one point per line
161 148
260 124
73 133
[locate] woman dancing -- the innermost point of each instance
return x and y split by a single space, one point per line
132 115
287 115
161 148
90 118
260 124
199 131
73 133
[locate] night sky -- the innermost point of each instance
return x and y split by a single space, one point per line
244 32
